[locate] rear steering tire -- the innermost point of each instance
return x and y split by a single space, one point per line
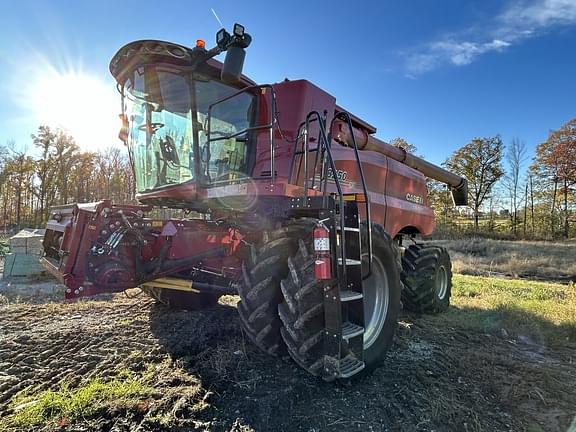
302 311
427 278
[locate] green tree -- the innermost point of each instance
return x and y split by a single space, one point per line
480 162
403 144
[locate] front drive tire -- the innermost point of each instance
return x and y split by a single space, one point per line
427 278
259 287
302 311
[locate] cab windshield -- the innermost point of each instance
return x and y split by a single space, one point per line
167 113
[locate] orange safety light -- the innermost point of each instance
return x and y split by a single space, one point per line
200 44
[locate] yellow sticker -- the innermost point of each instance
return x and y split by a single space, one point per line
157 223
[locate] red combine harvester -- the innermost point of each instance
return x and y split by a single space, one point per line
289 201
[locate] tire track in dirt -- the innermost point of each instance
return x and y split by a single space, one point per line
208 377
41 347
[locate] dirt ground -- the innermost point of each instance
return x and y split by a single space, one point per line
206 376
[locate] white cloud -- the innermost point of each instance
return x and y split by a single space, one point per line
520 20
532 15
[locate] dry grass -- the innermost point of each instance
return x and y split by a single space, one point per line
520 259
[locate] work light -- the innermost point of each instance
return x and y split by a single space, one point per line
238 30
222 38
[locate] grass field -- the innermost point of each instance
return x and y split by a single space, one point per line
537 312
517 259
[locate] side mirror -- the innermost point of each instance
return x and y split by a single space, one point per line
233 64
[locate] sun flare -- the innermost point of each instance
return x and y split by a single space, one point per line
84 105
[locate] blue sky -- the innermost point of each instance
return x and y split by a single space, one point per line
436 73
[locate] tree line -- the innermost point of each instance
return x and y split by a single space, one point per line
59 173
523 200
526 199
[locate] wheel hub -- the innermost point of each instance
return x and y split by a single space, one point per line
376 300
441 282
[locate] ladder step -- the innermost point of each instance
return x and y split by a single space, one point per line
350 366
349 262
350 330
349 295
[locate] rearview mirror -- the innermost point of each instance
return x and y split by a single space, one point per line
235 53
233 64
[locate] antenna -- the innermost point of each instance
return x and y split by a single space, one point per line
216 16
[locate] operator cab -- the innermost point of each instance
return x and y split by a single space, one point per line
188 120
167 113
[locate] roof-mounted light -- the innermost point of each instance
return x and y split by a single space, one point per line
238 30
222 38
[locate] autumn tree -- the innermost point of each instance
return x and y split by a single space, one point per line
3 185
3 157
480 162
81 181
17 191
57 172
114 175
555 164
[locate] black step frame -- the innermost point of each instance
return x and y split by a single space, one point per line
336 211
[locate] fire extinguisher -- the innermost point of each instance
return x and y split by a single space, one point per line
322 261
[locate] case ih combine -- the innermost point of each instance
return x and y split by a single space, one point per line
290 202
